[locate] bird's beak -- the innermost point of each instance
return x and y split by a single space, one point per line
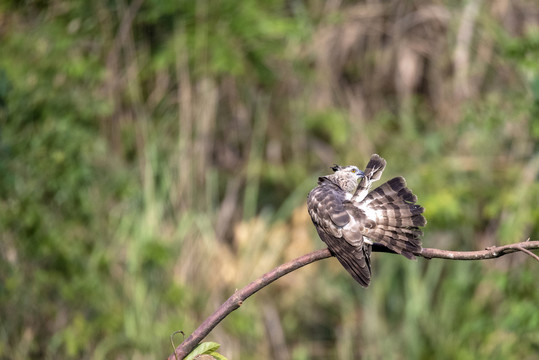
360 174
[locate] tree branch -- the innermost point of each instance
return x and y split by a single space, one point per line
491 252
236 300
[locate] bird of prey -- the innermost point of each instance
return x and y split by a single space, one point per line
349 218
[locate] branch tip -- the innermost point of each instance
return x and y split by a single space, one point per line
172 341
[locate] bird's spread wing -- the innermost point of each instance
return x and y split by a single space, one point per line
392 216
396 217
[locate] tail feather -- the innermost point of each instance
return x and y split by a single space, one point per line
414 231
394 190
384 217
405 209
402 242
404 195
397 217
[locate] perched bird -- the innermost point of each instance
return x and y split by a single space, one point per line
349 218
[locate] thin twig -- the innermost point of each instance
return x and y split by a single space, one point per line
489 253
529 253
172 340
236 300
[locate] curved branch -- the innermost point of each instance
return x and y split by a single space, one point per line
236 300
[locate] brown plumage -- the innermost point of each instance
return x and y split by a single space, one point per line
348 218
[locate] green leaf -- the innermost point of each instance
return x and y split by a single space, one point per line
204 348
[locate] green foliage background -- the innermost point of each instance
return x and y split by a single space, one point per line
156 155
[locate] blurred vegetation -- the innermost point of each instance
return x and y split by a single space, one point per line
156 155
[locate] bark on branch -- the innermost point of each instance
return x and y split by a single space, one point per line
236 300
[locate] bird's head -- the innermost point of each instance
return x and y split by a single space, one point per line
348 170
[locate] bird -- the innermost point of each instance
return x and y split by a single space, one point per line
350 218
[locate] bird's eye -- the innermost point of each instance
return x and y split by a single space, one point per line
354 171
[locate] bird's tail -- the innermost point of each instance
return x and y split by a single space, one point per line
397 217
